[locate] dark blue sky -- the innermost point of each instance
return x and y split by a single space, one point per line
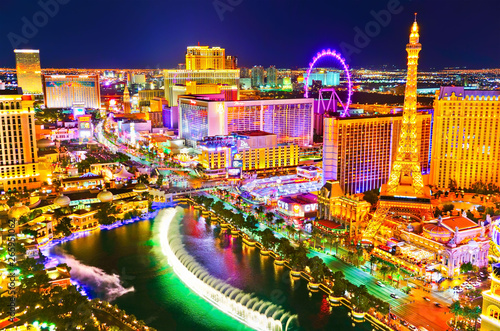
285 33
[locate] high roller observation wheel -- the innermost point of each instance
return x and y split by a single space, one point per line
341 60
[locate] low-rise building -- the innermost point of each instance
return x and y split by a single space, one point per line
59 276
348 210
452 241
42 232
83 182
137 204
82 220
248 150
303 205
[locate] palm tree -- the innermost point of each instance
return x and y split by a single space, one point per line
350 256
289 230
392 270
330 237
316 234
456 310
270 217
384 270
373 260
323 241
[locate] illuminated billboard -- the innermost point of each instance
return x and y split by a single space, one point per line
233 173
65 83
85 127
237 161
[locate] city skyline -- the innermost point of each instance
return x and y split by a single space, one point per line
204 196
300 30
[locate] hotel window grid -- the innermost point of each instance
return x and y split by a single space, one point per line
194 124
465 148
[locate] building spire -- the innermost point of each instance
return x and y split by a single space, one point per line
414 36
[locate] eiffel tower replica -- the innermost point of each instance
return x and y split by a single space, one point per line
404 197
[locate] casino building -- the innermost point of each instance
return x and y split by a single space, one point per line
18 149
64 91
303 205
248 150
291 120
466 144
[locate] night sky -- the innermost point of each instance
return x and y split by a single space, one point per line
285 33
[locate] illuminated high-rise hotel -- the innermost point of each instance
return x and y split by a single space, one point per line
64 91
18 150
466 144
208 71
29 73
358 151
289 119
204 57
207 82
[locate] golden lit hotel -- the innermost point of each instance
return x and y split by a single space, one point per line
18 150
29 73
465 144
248 150
204 57
208 71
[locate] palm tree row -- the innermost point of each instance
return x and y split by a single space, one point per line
297 256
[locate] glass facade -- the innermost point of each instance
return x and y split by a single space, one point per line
290 122
358 152
243 118
194 122
29 73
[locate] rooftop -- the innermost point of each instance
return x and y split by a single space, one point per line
303 199
253 133
463 223
460 91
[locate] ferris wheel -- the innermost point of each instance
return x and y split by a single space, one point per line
345 67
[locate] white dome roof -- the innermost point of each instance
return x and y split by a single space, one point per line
44 143
141 188
105 196
62 200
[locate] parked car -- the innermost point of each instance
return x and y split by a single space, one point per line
437 304
427 299
412 327
403 322
394 317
